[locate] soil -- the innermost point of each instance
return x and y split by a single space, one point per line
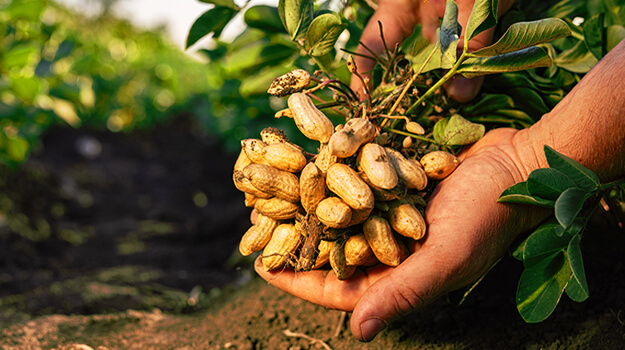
129 241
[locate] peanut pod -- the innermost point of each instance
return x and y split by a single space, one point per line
358 252
309 119
408 170
244 185
271 135
325 248
346 141
345 183
284 156
334 213
382 195
276 208
373 160
338 262
312 187
242 161
439 164
293 81
257 236
268 179
406 219
253 149
379 235
325 159
282 245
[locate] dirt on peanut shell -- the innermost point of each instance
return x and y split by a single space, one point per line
128 241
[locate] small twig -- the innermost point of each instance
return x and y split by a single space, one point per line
377 57
312 340
323 102
339 326
388 54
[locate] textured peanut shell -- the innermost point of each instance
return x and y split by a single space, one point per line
338 262
276 208
439 164
293 81
334 213
258 235
346 141
359 216
284 156
282 245
250 200
406 220
271 135
309 119
325 159
244 185
312 187
345 183
373 160
268 179
415 128
382 195
324 254
408 170
378 233
253 149
242 161
357 250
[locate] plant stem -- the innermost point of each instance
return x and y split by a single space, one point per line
399 132
321 66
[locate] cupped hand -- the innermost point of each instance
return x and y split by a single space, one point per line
399 18
468 231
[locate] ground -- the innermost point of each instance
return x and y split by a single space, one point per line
128 241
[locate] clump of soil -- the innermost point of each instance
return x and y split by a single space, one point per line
128 241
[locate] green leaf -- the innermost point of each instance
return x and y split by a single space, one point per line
577 288
548 183
483 16
516 114
26 9
582 176
518 193
615 34
460 131
529 100
26 88
296 16
224 3
568 205
439 128
20 56
255 56
577 59
594 36
264 17
542 243
323 33
525 34
489 103
541 286
531 57
211 21
449 34
15 148
433 63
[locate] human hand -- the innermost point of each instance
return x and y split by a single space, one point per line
468 231
399 17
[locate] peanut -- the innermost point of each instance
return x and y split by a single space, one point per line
407 142
380 237
276 208
257 236
374 161
325 159
312 187
359 216
413 175
284 156
293 81
439 164
357 250
242 161
382 195
338 262
271 135
253 149
334 213
268 179
282 245
244 185
346 141
345 182
406 219
325 248
415 128
309 119
250 200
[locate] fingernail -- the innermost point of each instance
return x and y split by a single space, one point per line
370 328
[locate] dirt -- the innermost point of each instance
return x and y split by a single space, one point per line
128 241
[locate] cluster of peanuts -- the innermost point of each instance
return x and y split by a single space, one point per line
354 203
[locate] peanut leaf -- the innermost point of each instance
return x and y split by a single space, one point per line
211 21
582 176
296 16
577 288
323 33
568 205
522 35
542 243
518 193
531 57
459 131
548 183
483 16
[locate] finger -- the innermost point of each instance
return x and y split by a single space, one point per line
321 286
398 18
